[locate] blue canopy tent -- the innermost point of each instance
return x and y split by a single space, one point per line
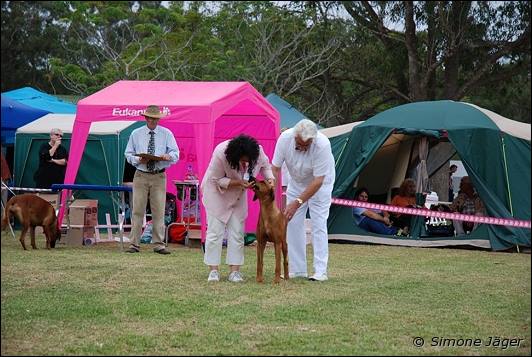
24 105
40 100
15 115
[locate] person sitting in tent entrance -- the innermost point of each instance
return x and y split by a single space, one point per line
467 202
405 198
372 220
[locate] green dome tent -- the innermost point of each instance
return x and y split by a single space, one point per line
495 152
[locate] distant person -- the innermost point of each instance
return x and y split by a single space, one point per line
150 177
52 161
6 173
467 202
224 189
6 176
372 220
452 171
406 197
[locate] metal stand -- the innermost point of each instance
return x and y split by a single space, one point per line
6 188
184 190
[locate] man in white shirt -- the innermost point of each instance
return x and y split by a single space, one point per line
310 162
150 176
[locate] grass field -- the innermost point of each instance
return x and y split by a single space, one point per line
98 301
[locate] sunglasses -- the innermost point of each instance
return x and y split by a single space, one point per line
60 135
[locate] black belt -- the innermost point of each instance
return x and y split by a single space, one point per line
153 172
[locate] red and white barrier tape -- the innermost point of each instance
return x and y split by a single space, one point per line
437 214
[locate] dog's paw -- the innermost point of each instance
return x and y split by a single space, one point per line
260 280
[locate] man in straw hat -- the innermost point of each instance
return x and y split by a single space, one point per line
150 177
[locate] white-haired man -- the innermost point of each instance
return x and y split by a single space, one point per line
309 160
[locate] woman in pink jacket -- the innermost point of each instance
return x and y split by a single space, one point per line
224 187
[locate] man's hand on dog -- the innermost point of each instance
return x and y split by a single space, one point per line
291 209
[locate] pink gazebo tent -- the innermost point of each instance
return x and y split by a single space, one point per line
200 114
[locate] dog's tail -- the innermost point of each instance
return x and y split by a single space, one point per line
7 216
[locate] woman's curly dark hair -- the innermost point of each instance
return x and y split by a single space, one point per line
239 146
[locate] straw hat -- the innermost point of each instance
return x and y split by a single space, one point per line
152 111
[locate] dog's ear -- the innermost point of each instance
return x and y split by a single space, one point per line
254 195
272 195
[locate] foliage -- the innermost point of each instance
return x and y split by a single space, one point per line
335 61
447 49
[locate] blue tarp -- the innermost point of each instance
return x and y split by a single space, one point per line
24 105
40 100
15 115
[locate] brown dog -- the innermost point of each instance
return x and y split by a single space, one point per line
31 211
271 227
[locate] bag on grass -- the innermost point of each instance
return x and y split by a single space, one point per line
147 233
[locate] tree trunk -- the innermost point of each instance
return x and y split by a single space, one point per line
457 26
439 183
416 92
431 50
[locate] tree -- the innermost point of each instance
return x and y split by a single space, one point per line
276 49
29 40
447 49
110 41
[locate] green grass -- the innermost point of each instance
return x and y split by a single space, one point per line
98 301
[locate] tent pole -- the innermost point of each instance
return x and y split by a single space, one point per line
507 181
342 151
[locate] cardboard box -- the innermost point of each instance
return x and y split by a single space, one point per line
49 197
85 203
83 213
194 237
77 234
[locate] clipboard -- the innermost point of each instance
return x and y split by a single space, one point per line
151 157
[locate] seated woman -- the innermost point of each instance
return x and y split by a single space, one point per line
372 220
405 198
467 202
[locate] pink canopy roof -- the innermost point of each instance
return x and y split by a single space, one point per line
200 114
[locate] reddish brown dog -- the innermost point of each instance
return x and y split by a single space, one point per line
271 227
31 211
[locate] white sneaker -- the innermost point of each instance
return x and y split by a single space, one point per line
318 277
214 275
235 277
297 275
